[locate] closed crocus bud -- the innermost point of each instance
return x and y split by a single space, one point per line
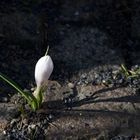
43 70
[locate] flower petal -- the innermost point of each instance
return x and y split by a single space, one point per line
43 70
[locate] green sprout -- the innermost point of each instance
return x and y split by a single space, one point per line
43 70
31 100
130 73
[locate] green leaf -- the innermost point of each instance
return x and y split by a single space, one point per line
28 96
125 71
138 71
34 106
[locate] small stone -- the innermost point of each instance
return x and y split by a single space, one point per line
5 99
76 13
83 76
79 83
32 126
39 124
50 116
86 82
25 121
103 81
14 130
61 33
71 85
4 132
33 89
13 122
68 25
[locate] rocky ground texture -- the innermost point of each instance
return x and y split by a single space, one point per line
88 97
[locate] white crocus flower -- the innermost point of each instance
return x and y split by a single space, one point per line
43 70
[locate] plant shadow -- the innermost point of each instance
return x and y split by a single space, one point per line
60 109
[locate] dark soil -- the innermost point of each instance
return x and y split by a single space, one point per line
88 96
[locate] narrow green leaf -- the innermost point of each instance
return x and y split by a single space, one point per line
138 71
34 106
28 96
124 69
133 76
12 83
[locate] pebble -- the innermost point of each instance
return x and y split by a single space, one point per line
5 99
76 13
50 116
71 85
25 121
13 122
4 132
32 126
